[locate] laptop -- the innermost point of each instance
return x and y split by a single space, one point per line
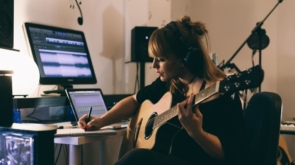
82 99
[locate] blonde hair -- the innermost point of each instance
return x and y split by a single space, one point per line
165 42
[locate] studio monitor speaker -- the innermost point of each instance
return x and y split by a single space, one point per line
6 101
6 23
139 43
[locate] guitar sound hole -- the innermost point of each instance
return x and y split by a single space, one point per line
149 126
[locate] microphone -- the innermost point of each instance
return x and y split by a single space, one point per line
80 19
258 40
214 58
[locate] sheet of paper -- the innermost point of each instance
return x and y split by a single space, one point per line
81 132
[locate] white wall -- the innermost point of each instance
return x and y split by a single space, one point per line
107 26
230 23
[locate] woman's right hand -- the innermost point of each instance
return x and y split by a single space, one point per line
93 124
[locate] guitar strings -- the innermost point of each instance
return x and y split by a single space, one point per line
197 100
204 91
151 120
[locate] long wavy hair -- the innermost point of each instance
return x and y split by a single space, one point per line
165 42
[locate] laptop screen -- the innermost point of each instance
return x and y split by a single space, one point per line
81 100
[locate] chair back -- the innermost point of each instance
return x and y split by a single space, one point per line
263 118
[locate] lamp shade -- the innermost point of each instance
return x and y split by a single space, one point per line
25 78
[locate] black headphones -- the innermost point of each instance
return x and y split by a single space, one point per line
172 26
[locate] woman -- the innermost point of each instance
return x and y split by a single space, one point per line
211 132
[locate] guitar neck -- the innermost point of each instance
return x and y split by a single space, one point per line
206 93
199 97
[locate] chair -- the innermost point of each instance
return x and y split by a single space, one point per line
263 118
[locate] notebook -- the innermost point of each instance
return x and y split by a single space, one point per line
82 99
67 131
81 132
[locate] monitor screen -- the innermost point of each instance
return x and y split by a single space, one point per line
61 55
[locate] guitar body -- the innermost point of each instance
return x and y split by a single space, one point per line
140 132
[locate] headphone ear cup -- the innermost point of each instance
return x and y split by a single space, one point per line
190 52
185 60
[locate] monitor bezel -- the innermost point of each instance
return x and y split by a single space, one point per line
59 80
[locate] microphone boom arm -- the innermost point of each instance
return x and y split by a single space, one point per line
258 26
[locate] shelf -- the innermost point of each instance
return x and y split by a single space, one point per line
37 102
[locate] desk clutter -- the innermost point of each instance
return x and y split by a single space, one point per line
287 127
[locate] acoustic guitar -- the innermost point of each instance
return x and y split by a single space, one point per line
284 158
149 128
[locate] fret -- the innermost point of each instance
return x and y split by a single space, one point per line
172 112
206 93
164 117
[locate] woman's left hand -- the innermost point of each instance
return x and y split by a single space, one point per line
190 117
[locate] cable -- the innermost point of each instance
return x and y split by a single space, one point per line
81 163
61 145
55 147
66 154
36 118
253 53
136 79
29 115
56 86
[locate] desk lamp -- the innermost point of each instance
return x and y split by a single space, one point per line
25 77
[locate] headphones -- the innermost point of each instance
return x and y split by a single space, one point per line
172 26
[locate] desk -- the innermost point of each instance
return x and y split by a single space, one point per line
75 144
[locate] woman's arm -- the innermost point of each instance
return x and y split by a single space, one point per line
192 121
122 110
210 144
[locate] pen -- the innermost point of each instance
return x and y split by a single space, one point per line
89 114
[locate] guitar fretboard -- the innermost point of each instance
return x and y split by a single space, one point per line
206 93
199 97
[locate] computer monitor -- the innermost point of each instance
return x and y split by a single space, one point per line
61 55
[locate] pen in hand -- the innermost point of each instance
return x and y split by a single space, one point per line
89 114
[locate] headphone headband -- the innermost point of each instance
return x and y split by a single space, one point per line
172 26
